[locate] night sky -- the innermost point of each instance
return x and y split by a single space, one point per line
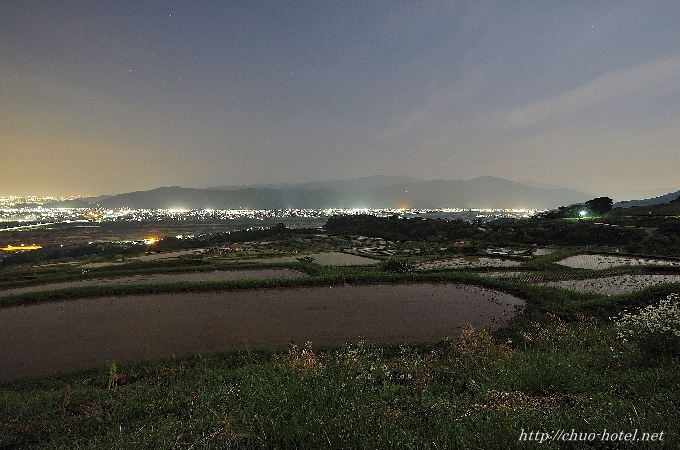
116 96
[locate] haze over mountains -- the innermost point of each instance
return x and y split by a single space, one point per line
357 184
368 192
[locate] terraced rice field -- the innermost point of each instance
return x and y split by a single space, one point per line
614 285
466 263
501 274
149 257
217 275
325 259
544 251
597 262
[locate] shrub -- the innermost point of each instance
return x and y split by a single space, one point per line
555 333
656 328
301 361
472 351
306 259
397 266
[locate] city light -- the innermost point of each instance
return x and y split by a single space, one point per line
21 248
35 217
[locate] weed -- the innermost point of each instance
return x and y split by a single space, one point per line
472 349
655 328
556 333
67 398
397 266
113 376
302 361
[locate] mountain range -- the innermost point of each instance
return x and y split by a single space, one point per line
368 192
647 202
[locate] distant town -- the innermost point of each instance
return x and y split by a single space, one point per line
31 212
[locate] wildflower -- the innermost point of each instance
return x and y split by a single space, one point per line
656 327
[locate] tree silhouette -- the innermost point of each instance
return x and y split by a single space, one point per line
600 205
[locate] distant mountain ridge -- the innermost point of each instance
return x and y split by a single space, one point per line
618 194
369 192
650 201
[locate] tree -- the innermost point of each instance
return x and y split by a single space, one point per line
600 205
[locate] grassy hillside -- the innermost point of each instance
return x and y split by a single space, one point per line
560 366
664 209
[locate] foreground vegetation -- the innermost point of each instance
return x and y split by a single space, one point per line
563 365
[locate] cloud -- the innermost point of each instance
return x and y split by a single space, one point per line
615 85
440 105
602 158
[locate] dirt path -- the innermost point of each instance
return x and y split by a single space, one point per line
51 337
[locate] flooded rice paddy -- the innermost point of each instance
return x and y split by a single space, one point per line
614 285
597 262
50 337
465 263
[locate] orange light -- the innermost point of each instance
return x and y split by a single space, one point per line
22 247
